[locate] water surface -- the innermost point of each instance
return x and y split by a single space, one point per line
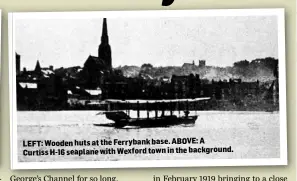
251 134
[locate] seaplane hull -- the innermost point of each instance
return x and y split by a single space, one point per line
121 120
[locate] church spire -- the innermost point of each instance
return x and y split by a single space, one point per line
104 37
104 51
37 67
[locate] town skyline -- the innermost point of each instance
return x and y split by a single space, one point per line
252 37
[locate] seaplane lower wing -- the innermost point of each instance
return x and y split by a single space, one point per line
157 101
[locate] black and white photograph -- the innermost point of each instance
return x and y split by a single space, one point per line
155 88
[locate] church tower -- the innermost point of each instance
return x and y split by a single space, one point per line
104 51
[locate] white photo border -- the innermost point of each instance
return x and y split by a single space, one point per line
279 12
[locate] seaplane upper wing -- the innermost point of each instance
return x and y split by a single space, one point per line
156 101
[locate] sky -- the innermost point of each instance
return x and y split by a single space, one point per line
220 41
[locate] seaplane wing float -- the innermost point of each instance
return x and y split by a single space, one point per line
119 112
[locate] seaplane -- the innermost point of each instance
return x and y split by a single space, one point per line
122 118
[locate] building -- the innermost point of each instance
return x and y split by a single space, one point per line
189 65
104 51
93 71
202 63
40 88
95 68
18 63
276 86
186 86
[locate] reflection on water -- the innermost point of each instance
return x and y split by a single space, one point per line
251 134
